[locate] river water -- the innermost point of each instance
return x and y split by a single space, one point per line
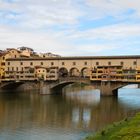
72 115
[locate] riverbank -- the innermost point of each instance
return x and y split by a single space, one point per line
127 129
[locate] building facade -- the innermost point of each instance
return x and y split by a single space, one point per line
9 53
96 68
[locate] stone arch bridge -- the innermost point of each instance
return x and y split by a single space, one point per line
107 88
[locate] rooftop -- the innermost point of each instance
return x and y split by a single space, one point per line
78 58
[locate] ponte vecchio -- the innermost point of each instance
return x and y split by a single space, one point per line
107 73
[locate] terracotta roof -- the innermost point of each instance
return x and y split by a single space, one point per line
3 53
77 58
9 49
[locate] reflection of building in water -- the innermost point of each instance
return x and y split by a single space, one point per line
86 116
89 97
81 116
75 115
30 111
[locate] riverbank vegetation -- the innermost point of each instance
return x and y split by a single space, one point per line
128 129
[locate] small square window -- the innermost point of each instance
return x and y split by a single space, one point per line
74 63
109 63
135 63
97 63
122 63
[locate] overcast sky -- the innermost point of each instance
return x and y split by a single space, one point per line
71 27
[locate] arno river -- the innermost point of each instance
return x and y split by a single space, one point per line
72 115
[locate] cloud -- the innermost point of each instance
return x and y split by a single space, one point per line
38 14
110 33
117 9
12 38
41 42
54 25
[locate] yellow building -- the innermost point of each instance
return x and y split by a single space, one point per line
102 67
138 74
40 73
129 74
1 72
9 53
103 73
43 73
2 65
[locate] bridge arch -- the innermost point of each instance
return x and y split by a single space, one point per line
58 87
74 72
63 72
85 72
121 86
11 85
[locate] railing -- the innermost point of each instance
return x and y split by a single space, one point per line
74 79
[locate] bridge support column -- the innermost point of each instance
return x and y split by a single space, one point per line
47 88
107 89
138 85
44 89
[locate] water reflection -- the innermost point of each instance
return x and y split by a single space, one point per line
130 99
88 97
70 116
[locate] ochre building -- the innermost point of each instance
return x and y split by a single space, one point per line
95 68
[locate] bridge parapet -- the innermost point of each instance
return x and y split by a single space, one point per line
107 88
75 79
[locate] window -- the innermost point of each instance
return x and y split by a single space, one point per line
122 63
17 68
100 71
41 63
15 56
109 63
3 63
21 63
8 63
74 63
97 63
63 63
8 69
52 63
31 63
135 63
85 63
12 68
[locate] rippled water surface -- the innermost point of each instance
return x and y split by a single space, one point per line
72 115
